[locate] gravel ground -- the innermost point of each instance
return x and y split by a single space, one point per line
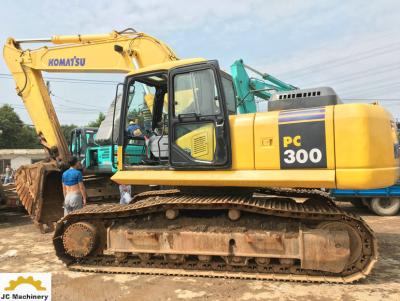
24 249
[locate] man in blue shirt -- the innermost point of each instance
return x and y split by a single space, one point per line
134 129
73 187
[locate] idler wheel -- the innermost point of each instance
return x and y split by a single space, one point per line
80 239
355 239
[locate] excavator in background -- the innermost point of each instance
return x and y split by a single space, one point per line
39 185
243 203
249 88
278 94
95 154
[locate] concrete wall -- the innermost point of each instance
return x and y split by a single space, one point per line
16 162
20 157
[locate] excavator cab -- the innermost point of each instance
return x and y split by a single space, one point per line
81 140
191 129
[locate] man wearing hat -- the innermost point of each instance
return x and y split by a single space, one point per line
134 129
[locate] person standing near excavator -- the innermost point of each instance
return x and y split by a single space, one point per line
73 187
8 175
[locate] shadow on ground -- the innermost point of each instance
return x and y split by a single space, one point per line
11 217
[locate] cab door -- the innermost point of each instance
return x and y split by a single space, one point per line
78 144
199 135
74 146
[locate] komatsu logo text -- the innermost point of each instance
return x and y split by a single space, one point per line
68 62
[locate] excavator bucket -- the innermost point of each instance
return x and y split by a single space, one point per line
39 186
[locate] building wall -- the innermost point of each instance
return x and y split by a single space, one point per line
16 162
18 157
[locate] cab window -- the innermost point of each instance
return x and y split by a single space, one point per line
230 98
193 92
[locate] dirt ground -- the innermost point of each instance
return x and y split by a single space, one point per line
24 249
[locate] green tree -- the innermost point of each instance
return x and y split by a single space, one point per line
98 121
137 115
14 134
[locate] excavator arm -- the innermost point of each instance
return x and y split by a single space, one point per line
247 88
116 52
39 185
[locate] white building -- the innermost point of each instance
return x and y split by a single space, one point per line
18 157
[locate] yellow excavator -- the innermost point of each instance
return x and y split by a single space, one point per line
245 202
39 185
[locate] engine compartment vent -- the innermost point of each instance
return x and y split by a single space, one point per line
303 98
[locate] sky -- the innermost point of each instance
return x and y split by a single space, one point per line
351 46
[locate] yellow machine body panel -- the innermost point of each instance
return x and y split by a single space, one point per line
200 143
365 146
345 146
269 136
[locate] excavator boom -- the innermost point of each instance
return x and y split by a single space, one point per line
38 185
117 52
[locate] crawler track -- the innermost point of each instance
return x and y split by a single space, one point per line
279 204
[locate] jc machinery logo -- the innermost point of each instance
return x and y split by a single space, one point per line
25 286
